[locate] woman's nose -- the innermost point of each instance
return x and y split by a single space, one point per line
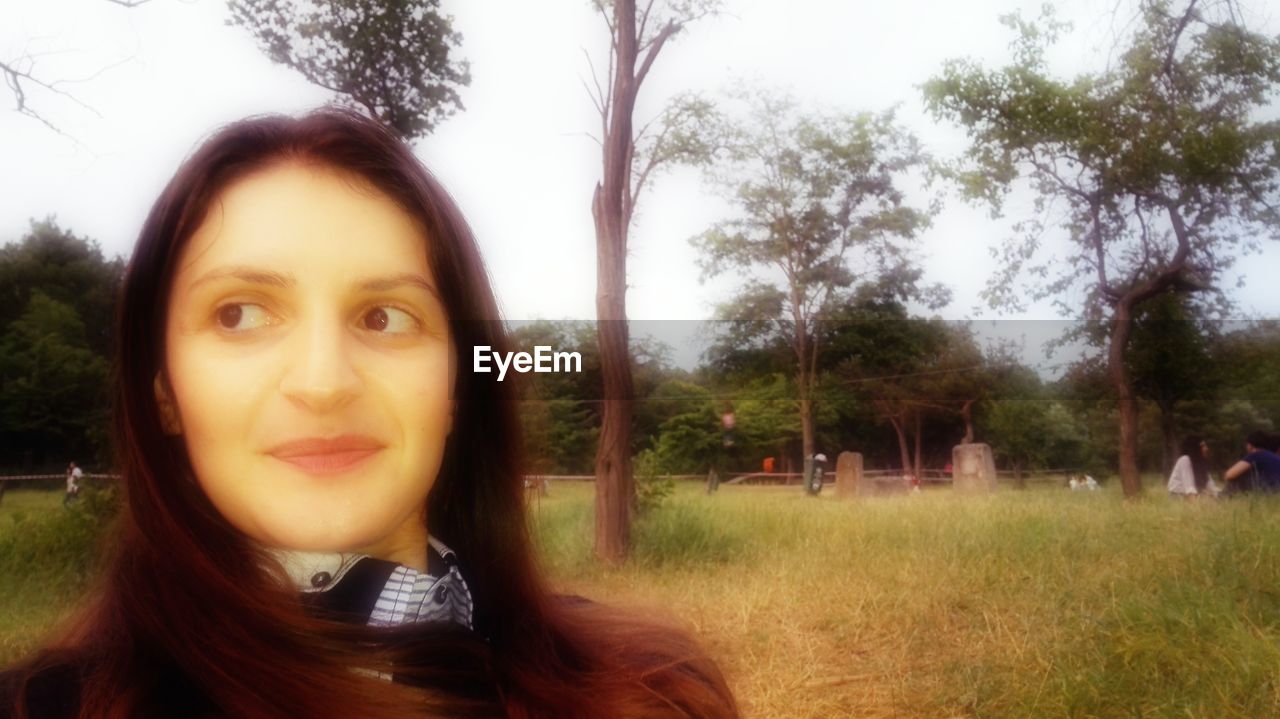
320 374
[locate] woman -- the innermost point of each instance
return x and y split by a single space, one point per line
1190 475
323 511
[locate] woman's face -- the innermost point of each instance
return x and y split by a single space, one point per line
309 360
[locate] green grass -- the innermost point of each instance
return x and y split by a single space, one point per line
47 553
1019 604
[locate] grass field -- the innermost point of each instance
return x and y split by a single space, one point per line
1020 604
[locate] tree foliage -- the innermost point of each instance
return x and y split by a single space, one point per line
820 207
66 268
57 314
1158 167
397 60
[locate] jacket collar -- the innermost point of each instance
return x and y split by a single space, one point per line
358 588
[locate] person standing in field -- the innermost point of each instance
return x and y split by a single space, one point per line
1260 466
1190 476
73 484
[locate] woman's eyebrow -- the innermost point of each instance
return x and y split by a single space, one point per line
247 274
390 282
287 280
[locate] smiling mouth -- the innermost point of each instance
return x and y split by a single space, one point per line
330 462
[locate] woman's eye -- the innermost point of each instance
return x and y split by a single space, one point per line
390 320
242 316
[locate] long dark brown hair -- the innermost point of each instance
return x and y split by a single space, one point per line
1199 465
187 611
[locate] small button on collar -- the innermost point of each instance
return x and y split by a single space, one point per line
321 579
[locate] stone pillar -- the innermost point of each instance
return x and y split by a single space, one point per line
973 468
849 480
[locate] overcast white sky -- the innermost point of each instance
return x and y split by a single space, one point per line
518 158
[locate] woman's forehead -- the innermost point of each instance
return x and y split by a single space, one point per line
305 219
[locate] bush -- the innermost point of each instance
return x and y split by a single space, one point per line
652 488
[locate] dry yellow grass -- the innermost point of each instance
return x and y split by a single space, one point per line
1037 603
1020 604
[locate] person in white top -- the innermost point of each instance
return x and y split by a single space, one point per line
1190 475
73 483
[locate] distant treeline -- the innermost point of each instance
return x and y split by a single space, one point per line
903 390
58 302
899 388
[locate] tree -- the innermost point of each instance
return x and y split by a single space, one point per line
51 386
1248 356
910 369
394 59
1159 167
820 209
561 411
689 438
66 268
57 305
636 37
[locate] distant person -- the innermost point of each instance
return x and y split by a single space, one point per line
74 474
1259 469
1082 482
1190 475
819 468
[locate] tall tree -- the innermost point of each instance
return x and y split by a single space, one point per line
1159 168
636 37
394 59
821 208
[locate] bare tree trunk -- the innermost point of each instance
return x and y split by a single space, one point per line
902 444
806 427
804 374
1130 479
614 482
1018 480
1171 276
918 465
1169 430
966 413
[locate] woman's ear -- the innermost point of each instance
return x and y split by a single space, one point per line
169 419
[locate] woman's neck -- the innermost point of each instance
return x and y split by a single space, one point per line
406 545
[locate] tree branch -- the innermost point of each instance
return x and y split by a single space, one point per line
671 28
599 97
1167 68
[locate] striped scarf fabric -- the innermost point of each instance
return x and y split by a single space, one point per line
413 596
408 595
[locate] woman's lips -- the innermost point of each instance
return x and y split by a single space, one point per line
331 462
327 455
